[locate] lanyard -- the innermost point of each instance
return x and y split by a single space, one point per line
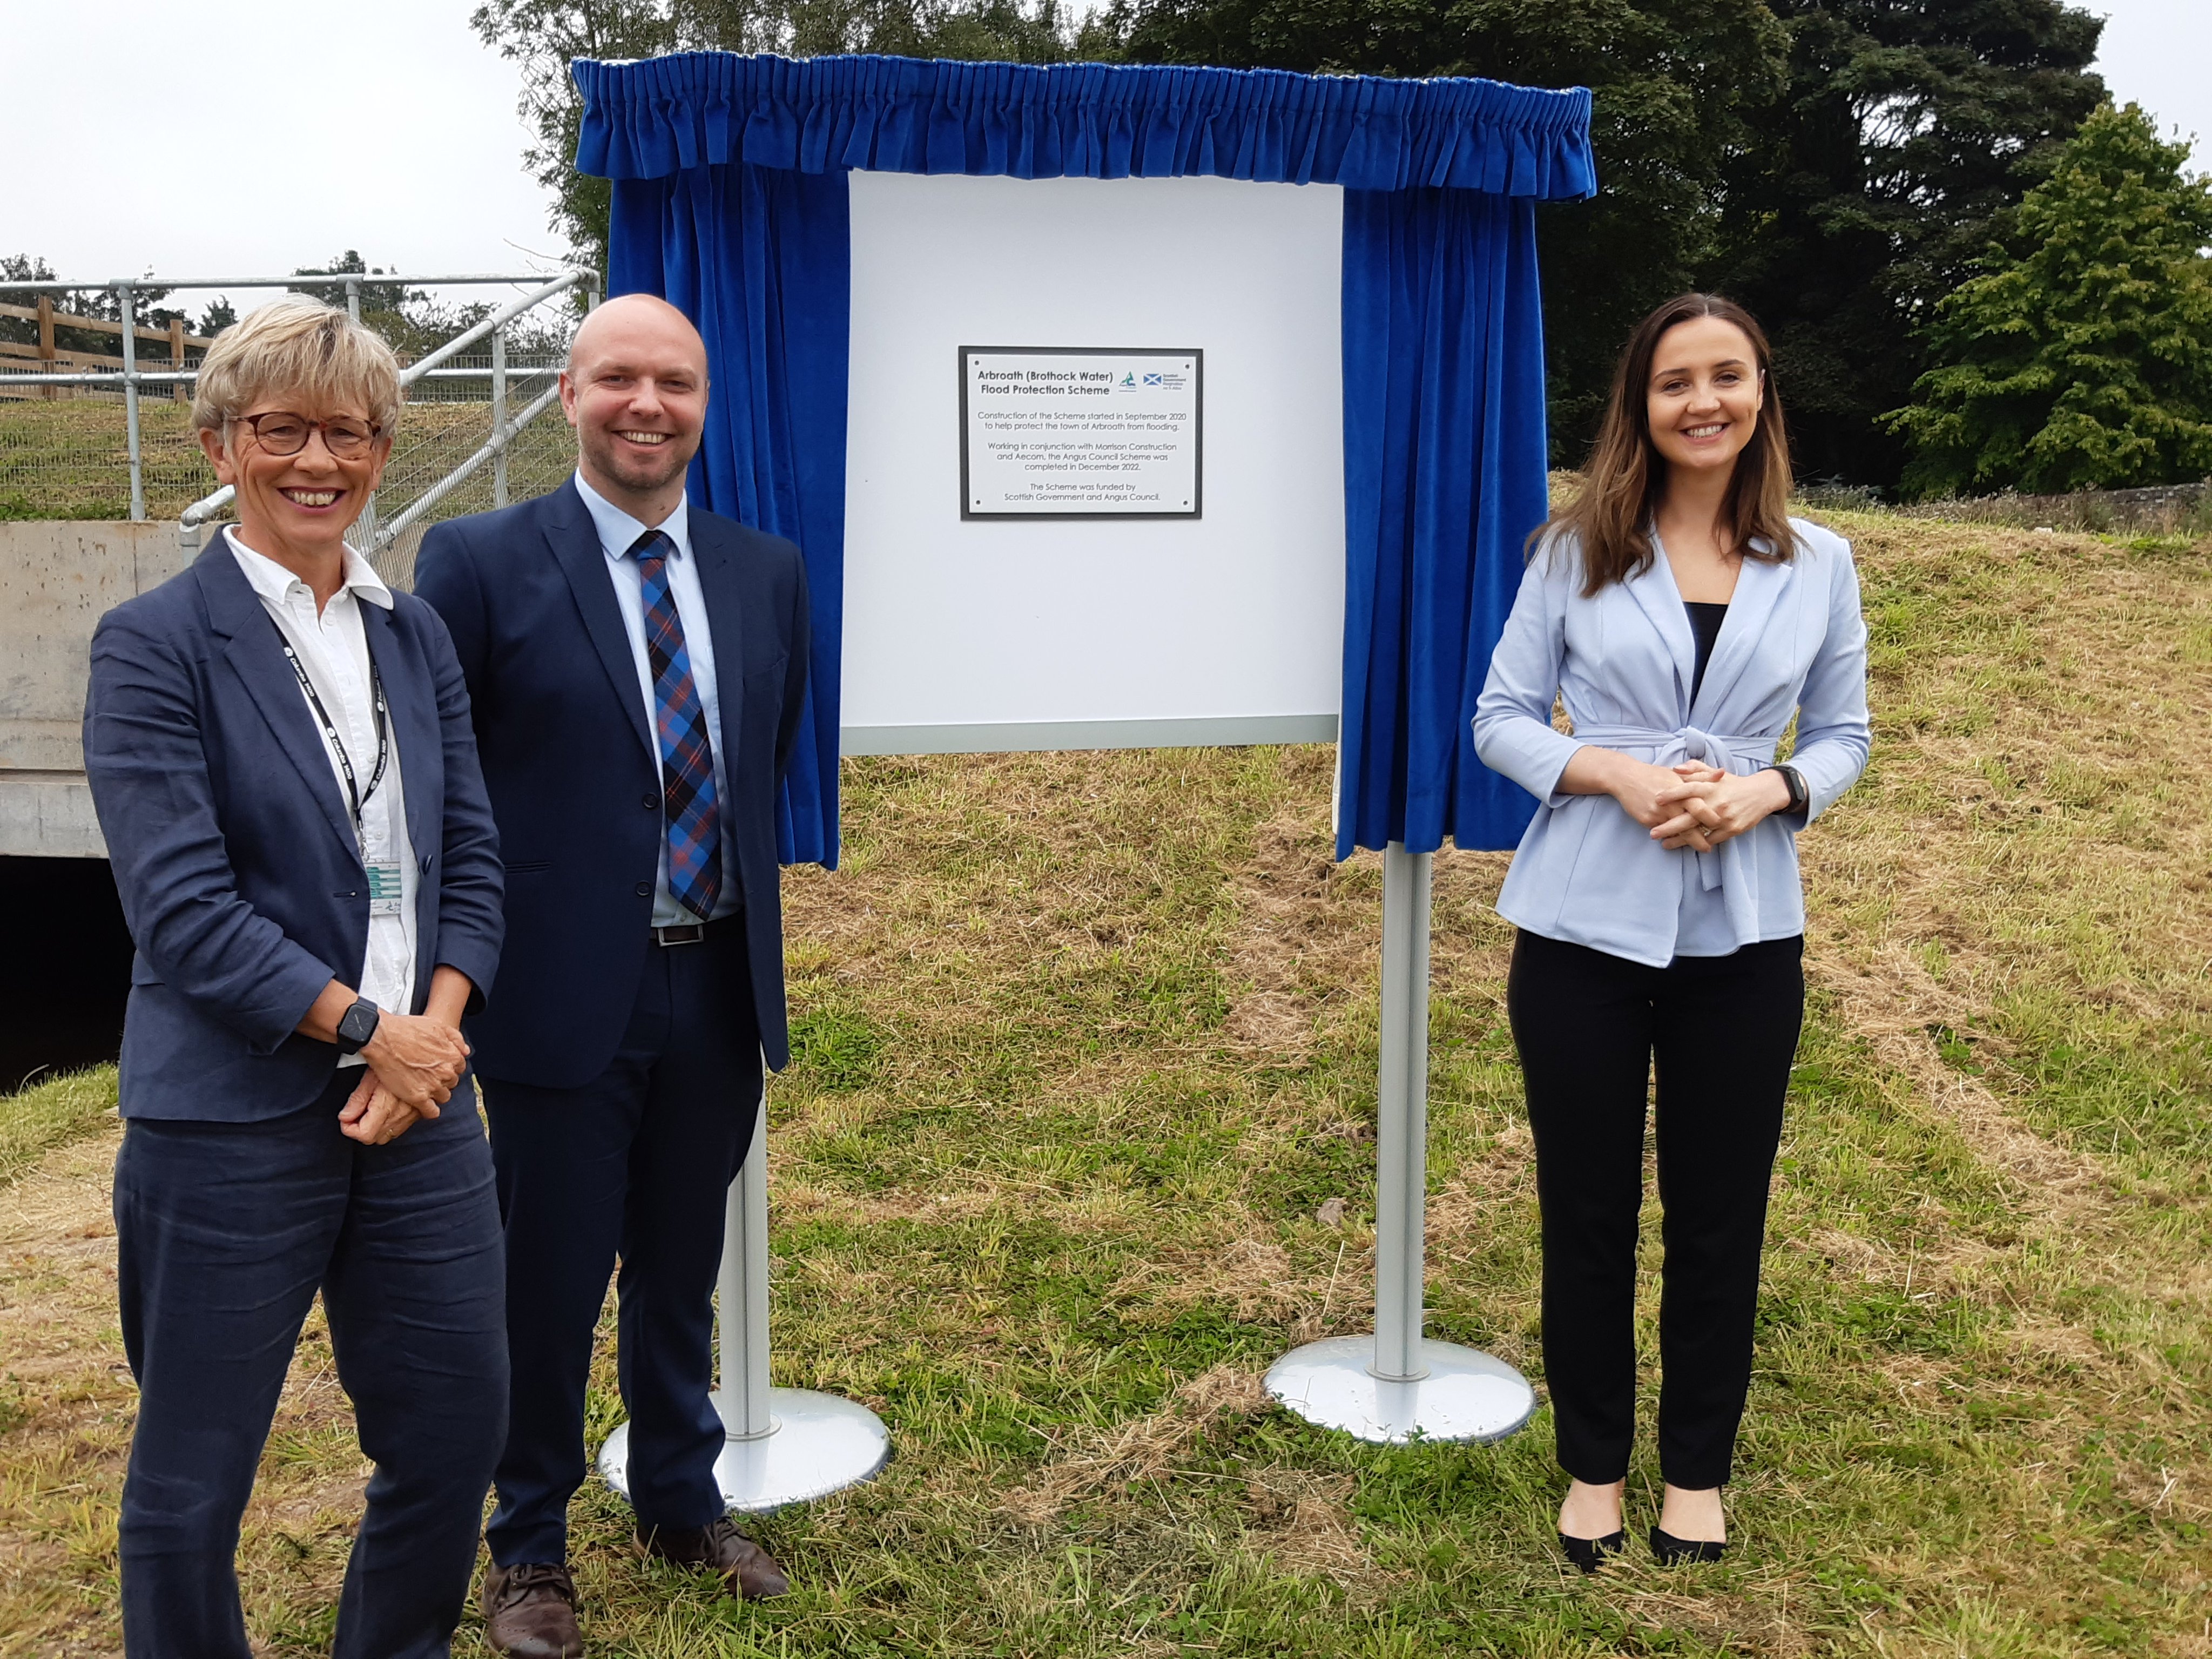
357 798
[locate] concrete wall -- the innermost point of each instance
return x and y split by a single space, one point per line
56 578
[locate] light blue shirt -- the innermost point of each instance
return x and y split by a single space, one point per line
618 533
1622 662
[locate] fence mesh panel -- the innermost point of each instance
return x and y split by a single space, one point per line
65 454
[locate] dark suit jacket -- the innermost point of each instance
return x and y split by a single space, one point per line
575 772
232 847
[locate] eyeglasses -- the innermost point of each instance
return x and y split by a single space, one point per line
282 433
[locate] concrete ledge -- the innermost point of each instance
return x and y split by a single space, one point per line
48 815
1015 737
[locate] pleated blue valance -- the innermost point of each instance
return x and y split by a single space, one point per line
664 115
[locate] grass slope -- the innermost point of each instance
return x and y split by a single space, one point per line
35 1121
1085 1045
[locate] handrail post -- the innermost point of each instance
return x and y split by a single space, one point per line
124 292
498 415
46 353
353 298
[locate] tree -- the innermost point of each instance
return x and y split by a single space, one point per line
219 315
544 36
1877 174
1673 81
2081 357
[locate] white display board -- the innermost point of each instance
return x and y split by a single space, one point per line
972 633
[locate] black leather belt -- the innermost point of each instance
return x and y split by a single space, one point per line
695 932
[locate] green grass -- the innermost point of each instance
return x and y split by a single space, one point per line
1085 1043
35 1121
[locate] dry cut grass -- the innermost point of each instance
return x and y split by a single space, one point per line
1080 1137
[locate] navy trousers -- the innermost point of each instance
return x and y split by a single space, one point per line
224 1232
635 1164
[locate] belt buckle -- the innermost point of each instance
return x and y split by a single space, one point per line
688 932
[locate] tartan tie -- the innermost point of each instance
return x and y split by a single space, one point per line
687 753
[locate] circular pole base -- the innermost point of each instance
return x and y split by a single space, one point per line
1466 1395
820 1444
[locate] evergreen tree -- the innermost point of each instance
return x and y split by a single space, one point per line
1873 185
2081 357
1673 83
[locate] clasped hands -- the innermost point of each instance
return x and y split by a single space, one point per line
415 1063
1688 806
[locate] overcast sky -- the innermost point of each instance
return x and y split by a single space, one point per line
262 135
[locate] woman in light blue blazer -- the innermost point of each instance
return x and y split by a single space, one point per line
1682 619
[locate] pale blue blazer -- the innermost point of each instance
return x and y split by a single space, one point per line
1794 643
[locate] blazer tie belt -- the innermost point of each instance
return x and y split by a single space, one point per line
1729 752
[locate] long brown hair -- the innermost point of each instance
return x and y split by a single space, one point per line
1624 476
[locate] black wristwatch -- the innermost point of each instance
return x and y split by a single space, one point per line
358 1026
1799 798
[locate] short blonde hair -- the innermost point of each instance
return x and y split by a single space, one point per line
297 346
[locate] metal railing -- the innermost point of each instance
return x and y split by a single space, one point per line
438 365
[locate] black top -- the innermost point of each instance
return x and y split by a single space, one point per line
1705 619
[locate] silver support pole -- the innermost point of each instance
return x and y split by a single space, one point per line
353 298
1397 1385
741 1321
783 1445
1401 1116
498 415
123 298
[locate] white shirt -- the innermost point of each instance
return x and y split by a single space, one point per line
618 533
333 649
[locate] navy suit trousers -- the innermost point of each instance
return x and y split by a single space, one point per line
224 1233
636 1164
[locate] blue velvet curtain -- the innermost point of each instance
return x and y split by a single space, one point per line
760 258
730 199
1444 453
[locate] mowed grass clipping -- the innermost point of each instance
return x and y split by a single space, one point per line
1085 1079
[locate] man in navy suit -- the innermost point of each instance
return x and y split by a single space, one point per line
637 667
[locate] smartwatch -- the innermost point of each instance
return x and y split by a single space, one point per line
1799 798
358 1026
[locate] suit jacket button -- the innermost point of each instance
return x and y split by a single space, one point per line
645 889
652 801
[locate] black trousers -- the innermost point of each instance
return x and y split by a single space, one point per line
224 1232
1723 1032
635 1164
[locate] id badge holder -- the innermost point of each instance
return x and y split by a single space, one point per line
383 887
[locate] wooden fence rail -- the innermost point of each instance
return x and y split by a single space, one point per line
48 319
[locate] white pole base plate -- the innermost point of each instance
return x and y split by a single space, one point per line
1466 1395
821 1444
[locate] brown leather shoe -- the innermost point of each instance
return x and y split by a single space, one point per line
530 1611
750 1573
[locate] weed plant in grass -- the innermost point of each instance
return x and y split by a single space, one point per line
1080 1137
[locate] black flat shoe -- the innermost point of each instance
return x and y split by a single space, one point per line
1587 1552
1670 1550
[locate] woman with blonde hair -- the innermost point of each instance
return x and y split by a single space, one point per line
280 752
1683 618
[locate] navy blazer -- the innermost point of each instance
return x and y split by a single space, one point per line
573 770
232 848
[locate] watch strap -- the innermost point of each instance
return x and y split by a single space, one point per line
1800 796
358 1025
